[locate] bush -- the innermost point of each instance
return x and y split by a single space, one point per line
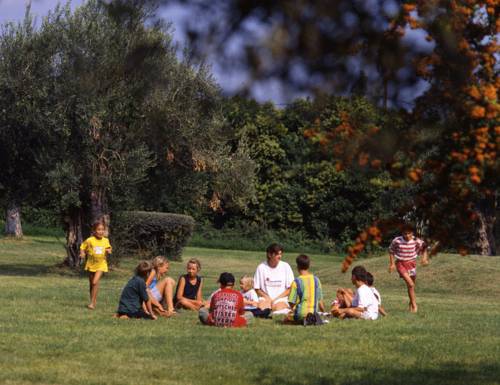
150 233
257 238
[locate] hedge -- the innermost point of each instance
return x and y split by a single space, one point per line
150 233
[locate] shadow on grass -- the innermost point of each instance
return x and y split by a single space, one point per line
24 270
445 374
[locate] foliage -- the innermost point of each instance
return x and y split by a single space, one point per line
150 233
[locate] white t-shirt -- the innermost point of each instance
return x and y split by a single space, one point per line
273 281
377 295
366 299
250 295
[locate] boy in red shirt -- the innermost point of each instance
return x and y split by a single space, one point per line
226 307
403 254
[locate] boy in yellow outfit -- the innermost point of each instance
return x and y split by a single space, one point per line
95 248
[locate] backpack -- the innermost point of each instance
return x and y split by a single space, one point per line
313 319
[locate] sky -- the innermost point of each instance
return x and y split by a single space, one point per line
13 11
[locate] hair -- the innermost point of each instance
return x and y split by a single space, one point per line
194 261
369 278
359 272
143 268
274 248
303 262
407 228
95 225
247 281
158 261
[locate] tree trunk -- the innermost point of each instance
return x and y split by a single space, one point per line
73 228
13 221
99 211
486 213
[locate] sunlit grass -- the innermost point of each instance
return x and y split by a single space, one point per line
49 337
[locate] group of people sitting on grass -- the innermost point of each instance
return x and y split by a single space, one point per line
273 289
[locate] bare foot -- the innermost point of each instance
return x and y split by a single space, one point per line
90 306
413 309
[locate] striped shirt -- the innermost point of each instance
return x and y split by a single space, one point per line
406 250
305 293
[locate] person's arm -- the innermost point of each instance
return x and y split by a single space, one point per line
392 265
286 293
262 294
392 251
149 306
83 248
150 278
321 306
424 261
180 288
108 248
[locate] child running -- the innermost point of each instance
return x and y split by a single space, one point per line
161 290
188 294
306 295
134 301
95 248
403 253
369 282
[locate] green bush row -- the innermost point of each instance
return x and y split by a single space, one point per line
150 233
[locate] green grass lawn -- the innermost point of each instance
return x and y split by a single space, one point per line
47 336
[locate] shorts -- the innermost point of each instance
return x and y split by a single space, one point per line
156 294
259 313
409 267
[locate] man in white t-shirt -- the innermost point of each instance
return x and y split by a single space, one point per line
364 304
273 278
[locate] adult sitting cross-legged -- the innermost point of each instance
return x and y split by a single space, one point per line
273 279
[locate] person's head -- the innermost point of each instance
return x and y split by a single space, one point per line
303 262
358 274
143 269
408 232
369 279
160 264
226 280
274 253
98 229
246 283
193 267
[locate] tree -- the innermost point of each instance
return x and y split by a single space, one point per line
24 97
453 158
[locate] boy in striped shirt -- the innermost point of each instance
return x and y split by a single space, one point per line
403 253
306 296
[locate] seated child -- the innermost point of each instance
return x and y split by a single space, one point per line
251 299
369 282
364 304
226 306
134 300
343 299
189 288
159 289
306 295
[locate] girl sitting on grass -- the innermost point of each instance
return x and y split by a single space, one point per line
189 288
95 248
161 290
251 299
